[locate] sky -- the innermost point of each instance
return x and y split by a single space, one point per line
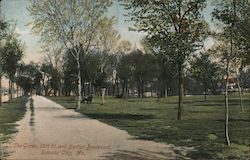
15 10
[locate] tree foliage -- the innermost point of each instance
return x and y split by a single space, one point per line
74 24
137 68
12 53
175 27
29 78
206 72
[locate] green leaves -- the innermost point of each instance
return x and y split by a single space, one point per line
205 71
170 25
72 24
3 29
11 54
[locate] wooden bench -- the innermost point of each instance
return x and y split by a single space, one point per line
87 99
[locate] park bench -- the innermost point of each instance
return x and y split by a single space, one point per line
87 99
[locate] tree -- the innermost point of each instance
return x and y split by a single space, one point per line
124 47
73 24
144 69
245 76
12 54
176 26
228 13
124 72
166 66
51 78
26 83
53 55
90 70
69 74
29 78
106 45
3 29
3 35
137 69
205 71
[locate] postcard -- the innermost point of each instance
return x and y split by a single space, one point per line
124 79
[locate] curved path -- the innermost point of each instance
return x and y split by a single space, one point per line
48 131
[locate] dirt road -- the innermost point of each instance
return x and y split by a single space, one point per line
50 132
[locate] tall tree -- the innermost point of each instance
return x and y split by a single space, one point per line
106 45
29 78
12 54
3 35
205 71
137 69
177 25
124 72
51 78
167 66
74 24
228 13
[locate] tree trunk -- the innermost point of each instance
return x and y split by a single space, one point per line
79 82
142 89
117 91
240 92
10 90
14 88
83 90
166 90
226 89
158 91
226 105
89 89
17 90
125 90
117 86
46 91
205 92
181 91
113 90
103 95
139 90
240 95
1 92
151 92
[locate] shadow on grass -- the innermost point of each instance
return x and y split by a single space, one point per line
140 155
201 112
119 116
233 120
150 109
207 104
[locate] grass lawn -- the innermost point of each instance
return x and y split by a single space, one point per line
202 127
10 112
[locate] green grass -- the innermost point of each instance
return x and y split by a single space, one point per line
10 112
201 127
